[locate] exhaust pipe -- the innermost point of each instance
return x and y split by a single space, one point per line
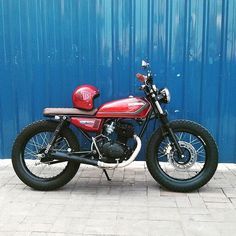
125 163
82 158
85 160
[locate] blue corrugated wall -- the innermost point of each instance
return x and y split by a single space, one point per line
48 47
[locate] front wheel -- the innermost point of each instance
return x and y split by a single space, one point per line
188 173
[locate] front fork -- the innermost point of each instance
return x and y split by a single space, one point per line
166 124
172 136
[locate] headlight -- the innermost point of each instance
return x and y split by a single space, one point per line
165 95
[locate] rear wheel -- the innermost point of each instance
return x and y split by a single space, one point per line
43 173
186 173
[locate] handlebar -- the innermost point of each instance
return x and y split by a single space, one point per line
146 79
141 78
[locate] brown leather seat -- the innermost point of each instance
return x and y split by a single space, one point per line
67 111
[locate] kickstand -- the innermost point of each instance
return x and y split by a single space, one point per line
108 178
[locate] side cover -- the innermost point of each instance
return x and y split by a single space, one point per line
87 124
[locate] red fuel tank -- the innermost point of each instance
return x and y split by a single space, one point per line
133 107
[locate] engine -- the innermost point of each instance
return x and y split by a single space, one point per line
114 146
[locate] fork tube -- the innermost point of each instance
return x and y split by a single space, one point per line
163 117
173 138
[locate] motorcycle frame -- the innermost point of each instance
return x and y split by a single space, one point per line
153 114
65 120
156 112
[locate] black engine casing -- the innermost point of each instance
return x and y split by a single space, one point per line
117 148
114 150
124 131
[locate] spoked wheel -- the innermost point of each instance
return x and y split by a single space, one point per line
189 172
43 173
46 167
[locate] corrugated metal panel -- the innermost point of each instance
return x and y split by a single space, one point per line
49 47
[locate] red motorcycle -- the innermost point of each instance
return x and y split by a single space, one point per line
181 155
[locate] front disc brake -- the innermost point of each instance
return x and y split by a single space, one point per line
187 164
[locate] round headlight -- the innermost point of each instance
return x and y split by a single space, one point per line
166 95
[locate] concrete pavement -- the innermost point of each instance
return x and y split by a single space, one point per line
132 204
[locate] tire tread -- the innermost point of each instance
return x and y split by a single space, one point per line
170 183
40 183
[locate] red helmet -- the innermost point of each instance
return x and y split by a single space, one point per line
83 97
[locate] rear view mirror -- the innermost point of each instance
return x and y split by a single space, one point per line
145 64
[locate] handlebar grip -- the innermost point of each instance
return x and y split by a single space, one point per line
141 77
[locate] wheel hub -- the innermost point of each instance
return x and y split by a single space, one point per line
42 157
189 159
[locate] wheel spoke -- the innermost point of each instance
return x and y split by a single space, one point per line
178 168
190 140
63 147
34 146
30 151
195 141
37 142
161 155
44 143
180 137
201 149
162 149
